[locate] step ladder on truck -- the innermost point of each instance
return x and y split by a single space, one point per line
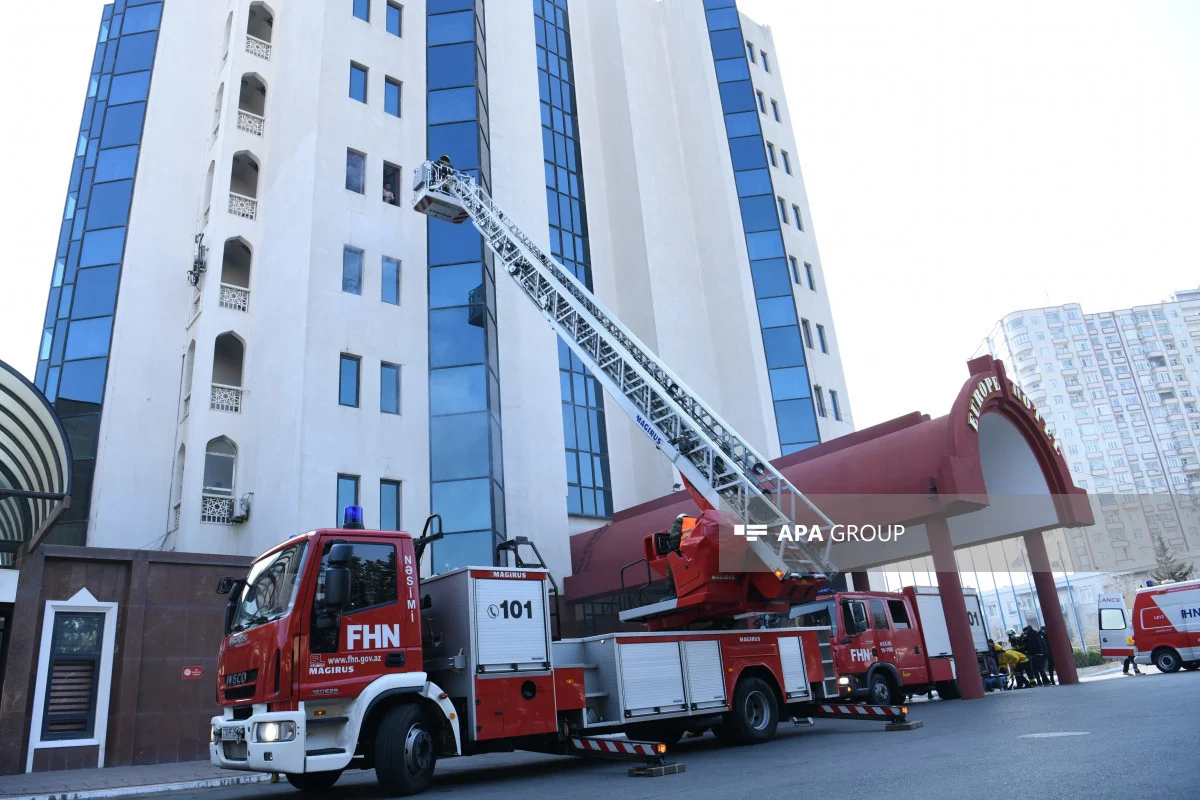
338 655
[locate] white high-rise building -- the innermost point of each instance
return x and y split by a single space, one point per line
1119 389
330 346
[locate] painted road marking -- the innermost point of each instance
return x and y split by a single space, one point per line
1053 734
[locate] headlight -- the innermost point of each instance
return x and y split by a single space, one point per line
843 681
269 732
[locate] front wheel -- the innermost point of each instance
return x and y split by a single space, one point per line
405 751
315 782
1167 660
754 716
880 692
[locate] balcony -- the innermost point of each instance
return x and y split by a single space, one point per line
250 122
242 206
235 298
216 509
257 47
175 518
226 398
187 407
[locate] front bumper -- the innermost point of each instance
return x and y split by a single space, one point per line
235 744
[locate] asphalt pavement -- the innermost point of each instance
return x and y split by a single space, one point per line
1115 738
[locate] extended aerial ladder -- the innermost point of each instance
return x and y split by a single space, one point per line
727 472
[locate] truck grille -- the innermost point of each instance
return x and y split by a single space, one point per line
241 678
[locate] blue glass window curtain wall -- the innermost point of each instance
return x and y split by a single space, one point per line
466 464
588 487
73 361
795 418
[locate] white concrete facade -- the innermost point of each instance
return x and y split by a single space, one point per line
668 257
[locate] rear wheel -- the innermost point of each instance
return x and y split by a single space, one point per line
754 716
315 782
1167 660
405 751
948 690
880 691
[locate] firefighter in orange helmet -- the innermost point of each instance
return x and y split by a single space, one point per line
680 530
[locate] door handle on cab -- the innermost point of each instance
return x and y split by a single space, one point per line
394 659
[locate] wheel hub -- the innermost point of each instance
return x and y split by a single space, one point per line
758 714
418 750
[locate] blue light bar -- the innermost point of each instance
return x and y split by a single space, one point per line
353 519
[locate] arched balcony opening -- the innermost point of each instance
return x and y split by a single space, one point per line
243 186
229 352
252 104
220 470
259 23
177 488
226 36
208 187
217 108
235 275
189 366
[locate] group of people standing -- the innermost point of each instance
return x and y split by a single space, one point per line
1027 659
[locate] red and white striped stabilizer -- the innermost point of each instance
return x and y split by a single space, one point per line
613 746
863 711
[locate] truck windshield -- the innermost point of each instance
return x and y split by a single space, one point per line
270 587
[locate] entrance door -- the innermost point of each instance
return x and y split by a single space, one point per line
906 644
1116 627
859 634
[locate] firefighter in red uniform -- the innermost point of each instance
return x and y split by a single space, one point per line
680 530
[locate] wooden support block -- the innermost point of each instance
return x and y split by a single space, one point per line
656 772
904 726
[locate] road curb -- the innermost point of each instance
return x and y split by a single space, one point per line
149 788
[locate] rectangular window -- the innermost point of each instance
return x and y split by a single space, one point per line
389 291
750 52
782 210
389 505
347 495
771 154
821 338
348 380
394 18
896 608
762 102
391 184
775 110
787 162
765 62
819 396
72 676
389 388
352 270
808 273
391 96
796 217
807 330
795 269
358 83
362 10
837 408
356 171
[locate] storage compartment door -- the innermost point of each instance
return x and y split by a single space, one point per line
651 679
705 676
791 659
510 621
933 625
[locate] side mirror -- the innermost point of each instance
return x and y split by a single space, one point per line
662 543
339 554
337 583
225 585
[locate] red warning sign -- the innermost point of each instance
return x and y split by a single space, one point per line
192 673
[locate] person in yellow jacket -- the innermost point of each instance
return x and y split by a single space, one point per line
1016 663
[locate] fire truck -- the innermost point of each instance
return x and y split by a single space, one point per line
889 645
338 655
1163 630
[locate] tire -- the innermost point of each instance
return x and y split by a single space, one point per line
1167 660
880 691
405 751
1191 666
315 782
948 690
754 716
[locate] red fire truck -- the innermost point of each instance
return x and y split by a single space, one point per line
339 655
888 645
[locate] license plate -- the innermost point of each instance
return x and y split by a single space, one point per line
232 734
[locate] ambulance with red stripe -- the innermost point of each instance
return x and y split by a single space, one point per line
1163 629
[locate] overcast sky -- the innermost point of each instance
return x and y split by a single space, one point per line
962 161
